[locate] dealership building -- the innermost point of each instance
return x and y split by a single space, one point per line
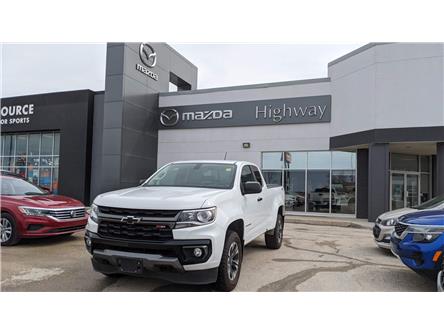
366 139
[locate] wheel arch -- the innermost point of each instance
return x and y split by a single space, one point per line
239 227
281 210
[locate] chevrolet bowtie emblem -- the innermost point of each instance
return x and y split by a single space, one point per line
130 219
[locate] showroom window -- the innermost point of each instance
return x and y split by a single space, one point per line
315 181
34 156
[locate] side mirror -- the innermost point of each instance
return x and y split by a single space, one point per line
142 181
252 187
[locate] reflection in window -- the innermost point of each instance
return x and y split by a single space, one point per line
294 190
425 163
47 143
272 161
341 160
33 156
343 191
404 162
272 177
425 187
34 144
307 176
295 160
319 160
318 191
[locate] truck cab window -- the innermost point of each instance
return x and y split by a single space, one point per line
257 174
247 175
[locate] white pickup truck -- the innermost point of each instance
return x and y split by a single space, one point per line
188 223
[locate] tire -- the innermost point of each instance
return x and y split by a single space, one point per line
440 281
273 238
231 263
9 234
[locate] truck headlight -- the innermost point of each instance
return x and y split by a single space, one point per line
197 217
93 213
33 211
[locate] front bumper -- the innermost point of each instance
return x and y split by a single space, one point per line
46 226
382 235
165 260
418 256
149 265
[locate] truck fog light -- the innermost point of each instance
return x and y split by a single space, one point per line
88 241
197 252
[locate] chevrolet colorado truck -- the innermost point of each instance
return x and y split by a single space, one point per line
187 223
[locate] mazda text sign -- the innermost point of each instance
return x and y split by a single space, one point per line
299 110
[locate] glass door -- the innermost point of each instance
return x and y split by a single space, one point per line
398 191
412 190
405 190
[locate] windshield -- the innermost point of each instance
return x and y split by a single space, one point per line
208 175
433 203
17 186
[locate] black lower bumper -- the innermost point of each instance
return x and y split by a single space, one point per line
157 268
162 260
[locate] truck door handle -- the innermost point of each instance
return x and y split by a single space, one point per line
260 199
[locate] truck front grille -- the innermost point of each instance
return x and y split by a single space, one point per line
142 213
137 231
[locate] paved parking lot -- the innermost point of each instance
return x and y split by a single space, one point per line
313 258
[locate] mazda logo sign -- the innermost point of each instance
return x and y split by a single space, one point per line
147 55
169 117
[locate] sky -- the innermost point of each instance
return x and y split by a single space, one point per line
40 68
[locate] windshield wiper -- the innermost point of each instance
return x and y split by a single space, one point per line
34 193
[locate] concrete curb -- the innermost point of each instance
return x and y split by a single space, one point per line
334 222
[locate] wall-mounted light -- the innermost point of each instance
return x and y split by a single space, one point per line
246 145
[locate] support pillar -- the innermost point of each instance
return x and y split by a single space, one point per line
378 180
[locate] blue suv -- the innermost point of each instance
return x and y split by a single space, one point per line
418 240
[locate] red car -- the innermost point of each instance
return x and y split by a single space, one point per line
29 211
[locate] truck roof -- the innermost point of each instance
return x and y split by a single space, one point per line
210 161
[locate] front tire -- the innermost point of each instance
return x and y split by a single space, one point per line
273 238
440 281
231 262
8 230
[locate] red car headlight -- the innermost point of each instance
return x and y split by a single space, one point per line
33 211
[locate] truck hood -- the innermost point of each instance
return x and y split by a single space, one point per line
168 198
396 213
425 217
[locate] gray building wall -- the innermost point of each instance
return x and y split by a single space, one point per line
126 144
214 143
392 85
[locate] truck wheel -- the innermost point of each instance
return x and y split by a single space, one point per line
273 238
230 264
8 230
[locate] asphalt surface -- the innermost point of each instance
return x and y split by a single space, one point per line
312 258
